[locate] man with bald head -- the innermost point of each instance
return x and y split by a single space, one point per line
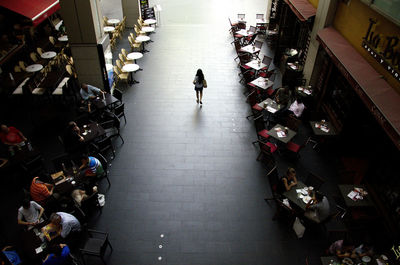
90 92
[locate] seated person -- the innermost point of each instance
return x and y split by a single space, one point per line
11 256
64 224
282 96
288 181
93 165
31 212
73 138
11 135
317 209
297 107
80 195
363 250
41 191
89 92
340 249
58 255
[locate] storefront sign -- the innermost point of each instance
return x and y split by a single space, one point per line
387 53
396 251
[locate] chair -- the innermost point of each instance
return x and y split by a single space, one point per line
104 163
294 148
105 21
119 64
120 76
70 70
95 244
135 46
274 181
262 133
22 65
17 69
112 127
39 51
314 181
119 111
103 145
255 108
117 94
267 61
292 122
266 152
90 203
125 56
258 44
122 60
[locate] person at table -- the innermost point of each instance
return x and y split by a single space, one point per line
341 249
297 107
11 255
58 255
93 166
41 192
362 250
317 209
65 224
289 180
11 135
199 83
30 213
282 96
73 139
90 92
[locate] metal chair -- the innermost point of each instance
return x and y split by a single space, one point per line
119 111
95 244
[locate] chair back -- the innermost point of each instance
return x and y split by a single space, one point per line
252 29
39 51
260 125
103 161
131 35
34 57
258 44
274 181
292 122
22 65
237 46
116 70
124 53
259 16
119 110
119 65
121 57
272 77
117 94
70 70
17 69
267 61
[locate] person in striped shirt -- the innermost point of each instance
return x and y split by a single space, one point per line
93 166
41 191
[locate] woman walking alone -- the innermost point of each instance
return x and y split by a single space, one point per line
199 82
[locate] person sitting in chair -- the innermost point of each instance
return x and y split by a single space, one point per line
297 107
30 213
288 181
93 166
64 224
11 135
58 255
317 209
41 192
90 92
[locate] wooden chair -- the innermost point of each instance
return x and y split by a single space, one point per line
119 64
105 21
17 69
262 133
124 55
22 65
39 51
119 75
135 46
292 122
266 152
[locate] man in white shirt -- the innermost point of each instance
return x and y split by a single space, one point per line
65 223
30 213
90 92
297 107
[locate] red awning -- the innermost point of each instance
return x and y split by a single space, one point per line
37 10
384 97
302 8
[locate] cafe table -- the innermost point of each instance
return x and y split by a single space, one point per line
262 82
130 68
244 33
134 56
102 102
271 107
345 189
143 39
63 38
250 49
92 131
304 91
108 29
256 65
322 128
48 55
150 21
293 197
34 68
113 21
277 132
33 243
147 29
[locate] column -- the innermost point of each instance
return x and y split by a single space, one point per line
131 10
84 26
324 17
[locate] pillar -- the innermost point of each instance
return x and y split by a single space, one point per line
84 27
324 17
131 10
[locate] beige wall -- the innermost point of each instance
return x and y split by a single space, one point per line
130 9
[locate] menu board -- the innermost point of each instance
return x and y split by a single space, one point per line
144 4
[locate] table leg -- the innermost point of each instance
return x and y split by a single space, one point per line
133 81
143 48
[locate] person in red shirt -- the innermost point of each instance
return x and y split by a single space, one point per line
41 191
11 135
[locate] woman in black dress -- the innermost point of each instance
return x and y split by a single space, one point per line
199 83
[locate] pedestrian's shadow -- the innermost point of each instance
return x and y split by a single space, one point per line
197 119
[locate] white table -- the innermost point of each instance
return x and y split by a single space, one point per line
48 55
250 49
34 68
108 29
150 21
130 68
148 29
142 39
261 21
113 21
262 82
244 33
256 65
63 38
134 55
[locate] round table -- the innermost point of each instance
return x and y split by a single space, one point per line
113 21
148 29
142 39
108 29
48 55
34 68
130 68
134 55
150 21
63 38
